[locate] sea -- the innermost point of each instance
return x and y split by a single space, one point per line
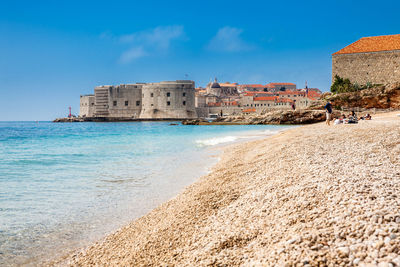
66 185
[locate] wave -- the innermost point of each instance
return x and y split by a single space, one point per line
216 140
227 139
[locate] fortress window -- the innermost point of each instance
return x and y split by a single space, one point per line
115 103
137 103
184 94
168 103
184 103
151 95
126 103
168 95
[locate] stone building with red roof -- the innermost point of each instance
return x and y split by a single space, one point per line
374 60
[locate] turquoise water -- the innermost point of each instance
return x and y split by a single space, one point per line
65 185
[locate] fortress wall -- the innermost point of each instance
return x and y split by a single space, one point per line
125 101
168 100
373 67
101 100
86 107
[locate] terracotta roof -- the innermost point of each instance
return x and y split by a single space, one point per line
227 84
281 84
281 100
291 93
372 44
251 93
313 94
265 98
252 85
231 103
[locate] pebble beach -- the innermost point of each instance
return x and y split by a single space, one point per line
314 195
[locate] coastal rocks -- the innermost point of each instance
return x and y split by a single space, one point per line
69 119
380 97
280 117
193 122
286 117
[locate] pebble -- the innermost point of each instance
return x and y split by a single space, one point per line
314 195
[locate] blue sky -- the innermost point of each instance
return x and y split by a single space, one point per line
53 51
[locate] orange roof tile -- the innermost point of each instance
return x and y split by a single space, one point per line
291 93
251 93
281 84
252 85
284 100
313 94
228 84
372 44
231 103
265 98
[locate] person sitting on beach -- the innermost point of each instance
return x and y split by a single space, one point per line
368 117
352 119
328 108
338 121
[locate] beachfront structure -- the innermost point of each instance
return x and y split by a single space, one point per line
164 100
86 108
168 100
278 100
374 60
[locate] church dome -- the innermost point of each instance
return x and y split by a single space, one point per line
215 84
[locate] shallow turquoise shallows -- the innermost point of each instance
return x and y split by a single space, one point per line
65 185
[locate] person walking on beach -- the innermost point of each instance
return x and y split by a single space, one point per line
328 108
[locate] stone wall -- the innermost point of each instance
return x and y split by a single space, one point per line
125 101
373 67
101 100
168 100
86 107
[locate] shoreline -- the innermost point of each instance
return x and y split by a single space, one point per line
235 214
212 156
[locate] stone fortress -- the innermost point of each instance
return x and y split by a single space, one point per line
180 99
147 101
374 60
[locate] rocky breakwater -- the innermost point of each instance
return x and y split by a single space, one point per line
70 119
274 117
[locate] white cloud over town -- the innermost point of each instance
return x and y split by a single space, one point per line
228 39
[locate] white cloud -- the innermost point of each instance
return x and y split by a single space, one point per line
228 39
132 54
150 42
